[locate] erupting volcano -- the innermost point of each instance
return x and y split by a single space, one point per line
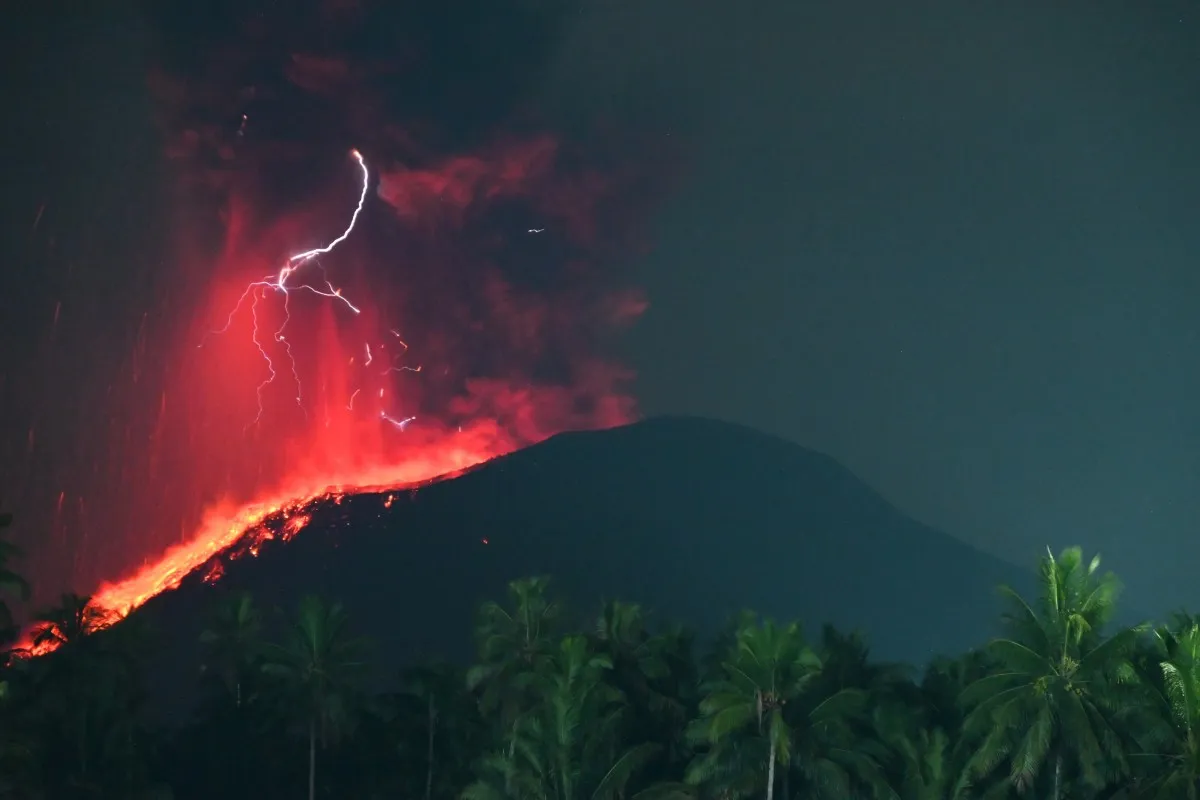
339 407
371 321
225 526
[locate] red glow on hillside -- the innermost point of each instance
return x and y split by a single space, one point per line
342 402
226 525
449 356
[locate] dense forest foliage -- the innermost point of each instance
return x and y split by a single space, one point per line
1061 705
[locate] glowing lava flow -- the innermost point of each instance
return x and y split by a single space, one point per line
357 453
225 526
431 454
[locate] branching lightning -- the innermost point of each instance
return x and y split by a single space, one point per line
281 283
398 424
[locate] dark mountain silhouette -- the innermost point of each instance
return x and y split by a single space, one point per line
694 519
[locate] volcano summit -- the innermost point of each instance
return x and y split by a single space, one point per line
694 519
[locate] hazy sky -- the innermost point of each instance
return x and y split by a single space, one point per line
952 244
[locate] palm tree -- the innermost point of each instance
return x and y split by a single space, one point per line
435 693
1170 735
835 753
923 733
318 666
925 763
942 687
9 582
69 623
928 771
17 756
84 699
846 664
621 633
567 746
514 643
742 718
1058 683
656 674
233 643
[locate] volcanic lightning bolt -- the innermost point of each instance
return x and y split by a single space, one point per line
249 490
279 283
225 525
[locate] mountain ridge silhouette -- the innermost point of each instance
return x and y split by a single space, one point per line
693 518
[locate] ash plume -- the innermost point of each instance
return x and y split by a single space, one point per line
502 246
486 269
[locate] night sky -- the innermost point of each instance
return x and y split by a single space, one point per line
951 244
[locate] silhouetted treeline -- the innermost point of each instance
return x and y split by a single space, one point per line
1062 705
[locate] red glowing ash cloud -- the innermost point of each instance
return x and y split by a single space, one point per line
331 385
307 391
466 314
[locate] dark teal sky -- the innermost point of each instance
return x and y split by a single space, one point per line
952 244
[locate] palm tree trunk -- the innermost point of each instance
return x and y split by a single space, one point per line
1057 776
83 743
771 773
312 759
429 755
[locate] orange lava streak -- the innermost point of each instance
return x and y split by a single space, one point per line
224 524
221 529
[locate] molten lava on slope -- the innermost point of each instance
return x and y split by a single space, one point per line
318 327
229 532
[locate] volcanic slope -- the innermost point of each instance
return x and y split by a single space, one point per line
694 519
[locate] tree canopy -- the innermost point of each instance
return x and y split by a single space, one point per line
607 705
